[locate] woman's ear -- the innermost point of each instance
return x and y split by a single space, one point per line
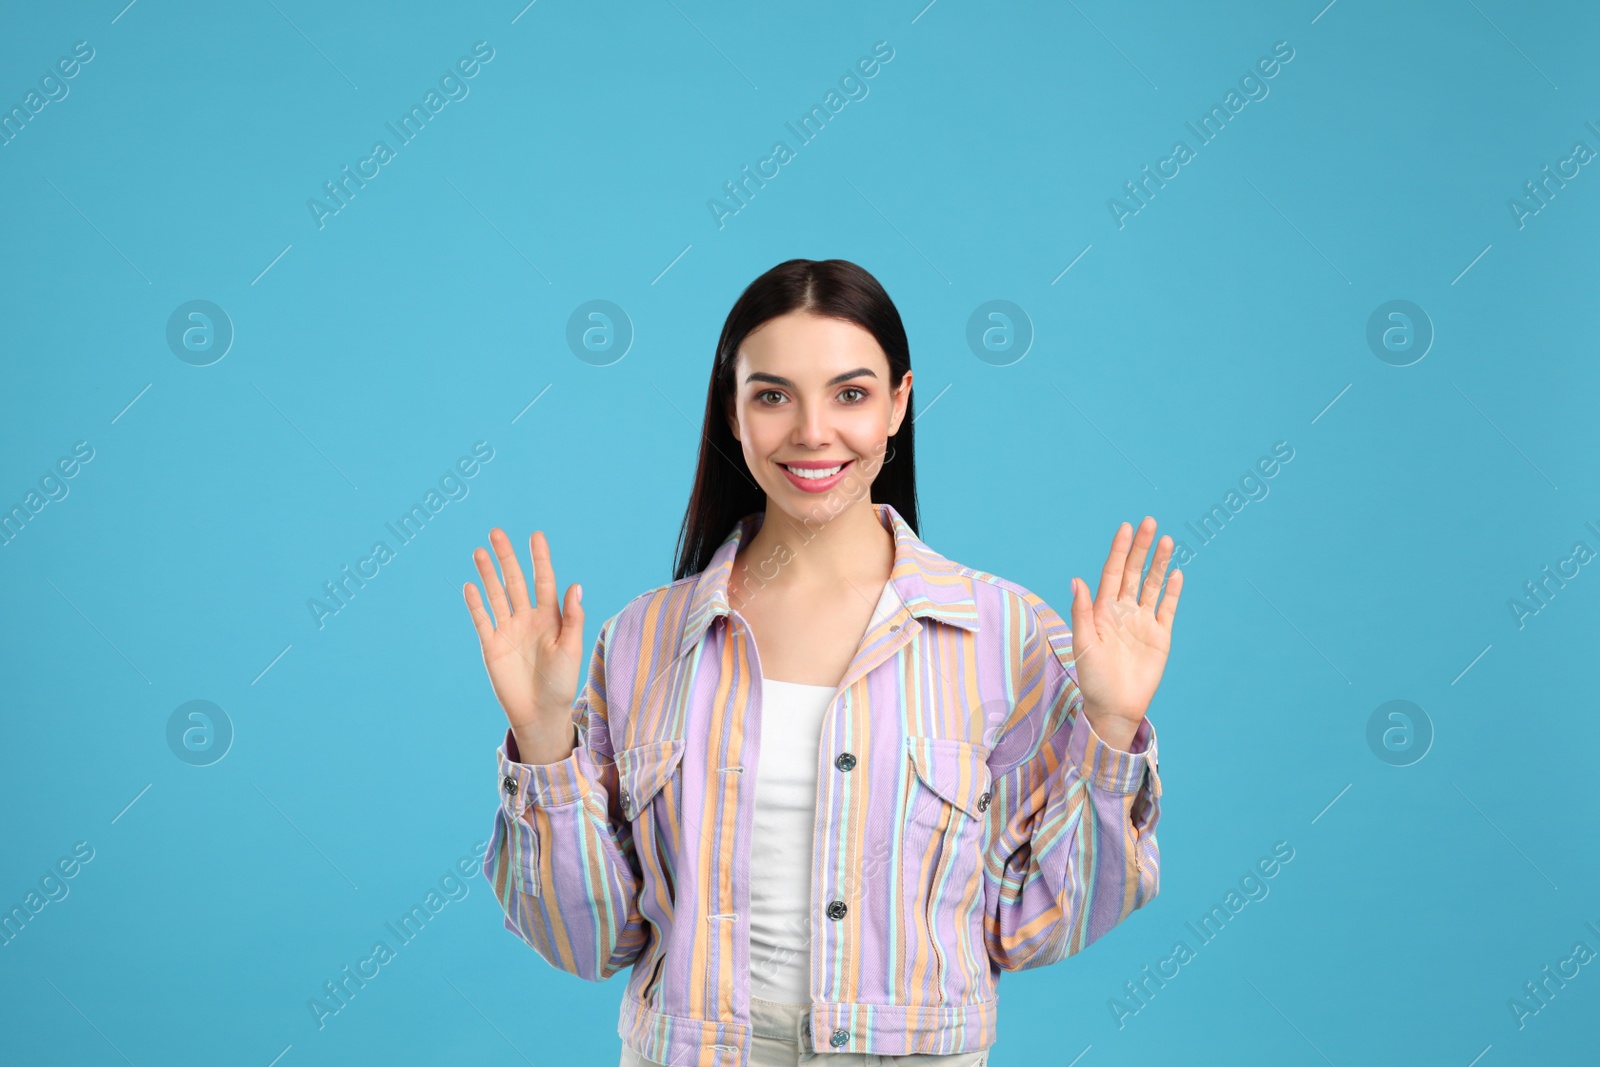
902 400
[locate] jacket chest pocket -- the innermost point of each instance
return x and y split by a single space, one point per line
643 771
947 804
955 772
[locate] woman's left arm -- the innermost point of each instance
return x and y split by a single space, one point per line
1072 850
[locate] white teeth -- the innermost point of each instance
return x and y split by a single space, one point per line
812 475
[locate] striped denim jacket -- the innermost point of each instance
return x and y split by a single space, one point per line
969 821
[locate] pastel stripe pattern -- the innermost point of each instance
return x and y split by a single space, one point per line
983 826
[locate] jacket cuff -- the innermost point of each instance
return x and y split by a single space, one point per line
1112 769
544 784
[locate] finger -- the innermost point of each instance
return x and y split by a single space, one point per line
516 588
1111 573
1169 603
1151 589
544 575
491 583
480 618
1135 564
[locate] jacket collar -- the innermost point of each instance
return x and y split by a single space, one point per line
930 585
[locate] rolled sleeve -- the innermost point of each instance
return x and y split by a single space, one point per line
1109 768
545 784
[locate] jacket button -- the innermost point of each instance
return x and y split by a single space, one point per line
983 802
845 761
839 1037
836 909
510 783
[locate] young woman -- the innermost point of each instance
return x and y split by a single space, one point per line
822 788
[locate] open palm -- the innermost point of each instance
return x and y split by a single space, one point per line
1120 638
531 646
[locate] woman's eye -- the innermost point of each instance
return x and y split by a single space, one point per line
773 396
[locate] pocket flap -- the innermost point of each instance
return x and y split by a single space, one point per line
643 770
956 770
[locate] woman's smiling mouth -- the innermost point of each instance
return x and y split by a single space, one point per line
815 476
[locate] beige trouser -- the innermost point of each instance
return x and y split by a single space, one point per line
779 1041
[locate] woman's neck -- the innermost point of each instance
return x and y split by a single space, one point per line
850 548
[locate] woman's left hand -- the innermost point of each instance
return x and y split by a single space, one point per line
1120 639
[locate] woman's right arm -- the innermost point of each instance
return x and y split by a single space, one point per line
565 875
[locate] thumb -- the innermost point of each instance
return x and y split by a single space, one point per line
1083 634
572 615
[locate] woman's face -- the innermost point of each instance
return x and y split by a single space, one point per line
812 393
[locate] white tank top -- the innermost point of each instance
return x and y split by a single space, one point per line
781 912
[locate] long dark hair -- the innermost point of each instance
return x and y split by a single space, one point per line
724 489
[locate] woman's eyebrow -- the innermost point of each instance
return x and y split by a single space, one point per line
762 376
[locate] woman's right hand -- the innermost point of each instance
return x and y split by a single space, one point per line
530 648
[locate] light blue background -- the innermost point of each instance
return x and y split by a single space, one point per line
1227 315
